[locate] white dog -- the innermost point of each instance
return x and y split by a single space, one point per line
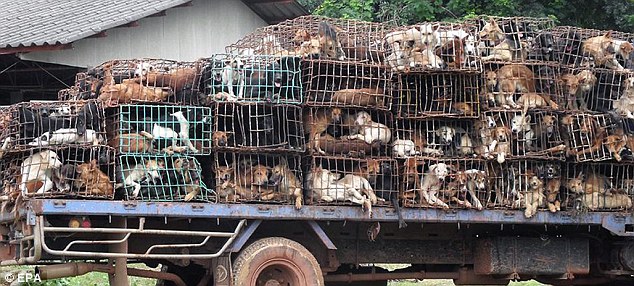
625 104
370 131
232 74
66 136
327 187
522 124
38 168
446 134
432 183
402 148
140 172
359 183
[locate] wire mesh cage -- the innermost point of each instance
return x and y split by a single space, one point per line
146 80
534 135
599 137
161 178
349 132
169 129
258 127
509 39
432 46
53 124
436 95
443 183
529 185
265 178
64 172
316 37
610 90
253 78
580 47
444 138
351 181
351 84
538 85
599 187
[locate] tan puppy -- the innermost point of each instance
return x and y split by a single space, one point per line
228 187
616 143
287 183
187 169
602 49
133 142
513 78
420 141
596 201
411 180
128 91
534 197
368 97
177 79
317 122
502 147
93 180
369 170
220 139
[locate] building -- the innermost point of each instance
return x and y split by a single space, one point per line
44 43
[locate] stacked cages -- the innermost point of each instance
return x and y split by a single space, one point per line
253 78
579 47
141 80
599 187
432 46
513 39
598 137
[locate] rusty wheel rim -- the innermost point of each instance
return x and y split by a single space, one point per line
278 272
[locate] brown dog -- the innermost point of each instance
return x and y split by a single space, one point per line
317 122
602 49
132 142
411 180
367 97
287 183
93 180
616 143
503 147
177 79
452 52
128 90
353 148
188 171
590 127
220 138
227 186
514 78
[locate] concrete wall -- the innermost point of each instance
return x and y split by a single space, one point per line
185 34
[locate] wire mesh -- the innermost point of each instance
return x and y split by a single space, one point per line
599 187
350 84
254 78
168 129
590 48
332 180
535 135
590 137
443 183
436 95
510 39
161 178
64 172
432 46
257 178
316 37
348 132
444 138
537 85
144 80
529 185
258 127
37 125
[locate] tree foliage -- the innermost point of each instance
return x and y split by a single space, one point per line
598 14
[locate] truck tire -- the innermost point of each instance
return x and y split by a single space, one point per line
276 261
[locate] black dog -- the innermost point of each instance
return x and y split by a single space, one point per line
264 82
383 184
570 49
545 42
545 80
33 123
211 80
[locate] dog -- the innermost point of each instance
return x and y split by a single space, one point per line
133 142
590 131
366 97
403 148
452 52
361 184
174 127
330 47
370 131
432 183
597 201
426 58
592 183
506 47
147 170
616 143
33 124
484 130
571 48
178 78
625 50
325 186
602 49
187 170
575 87
514 78
66 136
227 185
534 197
92 180
464 182
287 183
625 104
264 82
39 168
501 146
550 175
233 74
220 139
546 131
64 177
546 42
128 91
317 122
521 125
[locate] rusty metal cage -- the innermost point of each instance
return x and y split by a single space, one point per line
588 137
611 86
538 83
63 172
509 39
535 135
145 80
53 124
432 46
261 178
350 181
446 138
169 129
443 183
161 178
571 51
343 39
350 84
599 187
529 185
349 132
436 95
258 127
254 78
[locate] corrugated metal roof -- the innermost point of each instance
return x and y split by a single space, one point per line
275 11
41 22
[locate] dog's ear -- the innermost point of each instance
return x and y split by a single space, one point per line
527 118
580 176
433 167
608 34
435 27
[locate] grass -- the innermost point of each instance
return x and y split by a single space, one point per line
446 282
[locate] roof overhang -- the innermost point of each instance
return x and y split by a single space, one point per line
275 11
